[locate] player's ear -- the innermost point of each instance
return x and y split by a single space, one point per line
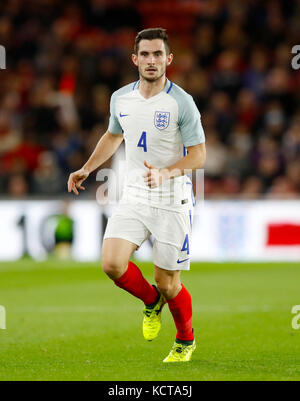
170 59
134 59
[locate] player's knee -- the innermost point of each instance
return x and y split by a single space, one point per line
111 268
163 289
167 288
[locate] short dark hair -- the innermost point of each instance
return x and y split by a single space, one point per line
150 34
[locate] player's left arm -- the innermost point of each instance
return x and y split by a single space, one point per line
194 160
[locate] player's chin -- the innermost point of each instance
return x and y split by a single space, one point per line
150 77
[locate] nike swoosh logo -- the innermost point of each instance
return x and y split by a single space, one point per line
123 115
181 261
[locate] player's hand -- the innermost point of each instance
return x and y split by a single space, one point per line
154 177
76 179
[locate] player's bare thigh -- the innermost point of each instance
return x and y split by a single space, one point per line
168 282
116 253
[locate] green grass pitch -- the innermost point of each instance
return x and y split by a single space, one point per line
67 321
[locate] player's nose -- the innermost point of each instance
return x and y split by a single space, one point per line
151 60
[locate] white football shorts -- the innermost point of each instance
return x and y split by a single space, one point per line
171 231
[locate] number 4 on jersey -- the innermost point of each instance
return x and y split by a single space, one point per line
143 142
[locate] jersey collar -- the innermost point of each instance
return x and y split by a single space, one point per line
166 89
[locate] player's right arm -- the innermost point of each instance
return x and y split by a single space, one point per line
106 147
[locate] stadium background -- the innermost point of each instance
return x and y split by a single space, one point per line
64 59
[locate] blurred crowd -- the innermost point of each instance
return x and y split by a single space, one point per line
65 58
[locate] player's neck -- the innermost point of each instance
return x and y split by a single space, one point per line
149 89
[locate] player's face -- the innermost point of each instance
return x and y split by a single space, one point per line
152 59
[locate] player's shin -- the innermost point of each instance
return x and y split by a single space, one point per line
134 282
181 309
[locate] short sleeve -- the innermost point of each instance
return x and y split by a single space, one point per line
189 121
114 126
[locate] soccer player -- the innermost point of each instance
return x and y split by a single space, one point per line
163 137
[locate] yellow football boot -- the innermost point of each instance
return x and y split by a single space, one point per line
152 319
181 352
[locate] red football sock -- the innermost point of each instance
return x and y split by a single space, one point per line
181 309
133 282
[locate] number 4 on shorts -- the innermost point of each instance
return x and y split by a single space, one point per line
186 245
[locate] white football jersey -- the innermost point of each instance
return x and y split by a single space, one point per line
157 130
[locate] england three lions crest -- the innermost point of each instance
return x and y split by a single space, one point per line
161 119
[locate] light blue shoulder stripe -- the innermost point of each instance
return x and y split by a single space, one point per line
189 119
114 126
125 89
